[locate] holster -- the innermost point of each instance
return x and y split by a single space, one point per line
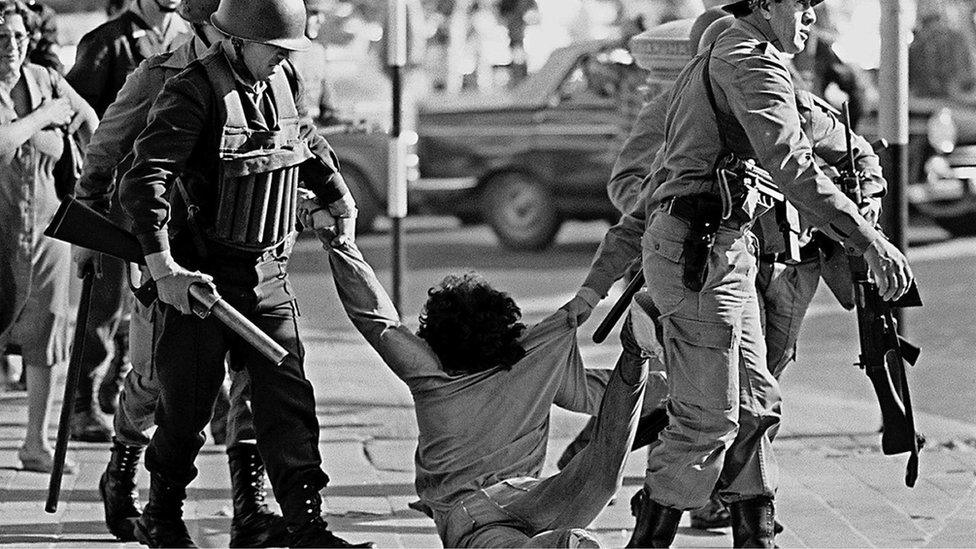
704 213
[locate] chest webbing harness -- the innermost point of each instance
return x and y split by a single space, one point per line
258 170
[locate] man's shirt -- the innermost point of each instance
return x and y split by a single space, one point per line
111 51
183 134
476 429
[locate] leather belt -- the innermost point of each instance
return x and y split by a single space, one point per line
685 208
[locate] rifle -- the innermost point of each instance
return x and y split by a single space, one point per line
731 168
70 386
883 351
79 225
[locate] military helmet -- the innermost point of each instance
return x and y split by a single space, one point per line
197 12
278 23
740 8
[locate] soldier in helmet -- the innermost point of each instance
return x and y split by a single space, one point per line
693 230
228 127
105 57
109 152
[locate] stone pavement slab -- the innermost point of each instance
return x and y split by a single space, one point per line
836 490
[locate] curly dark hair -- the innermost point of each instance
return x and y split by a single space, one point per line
471 326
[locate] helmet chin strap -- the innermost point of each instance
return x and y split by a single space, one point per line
238 61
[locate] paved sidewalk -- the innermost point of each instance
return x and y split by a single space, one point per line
836 490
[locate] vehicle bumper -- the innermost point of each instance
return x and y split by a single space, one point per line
947 178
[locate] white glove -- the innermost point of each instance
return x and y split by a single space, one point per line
173 281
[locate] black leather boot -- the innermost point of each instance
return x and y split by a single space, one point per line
161 523
656 524
119 492
315 532
753 523
254 524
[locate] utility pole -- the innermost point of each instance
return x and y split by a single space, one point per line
396 193
893 119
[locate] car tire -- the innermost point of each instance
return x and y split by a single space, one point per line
958 217
521 212
367 204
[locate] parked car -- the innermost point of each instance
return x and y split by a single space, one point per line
529 158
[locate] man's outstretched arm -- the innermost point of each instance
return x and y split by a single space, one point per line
372 312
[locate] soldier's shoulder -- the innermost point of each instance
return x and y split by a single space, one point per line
159 60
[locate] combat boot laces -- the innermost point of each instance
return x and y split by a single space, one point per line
119 492
313 530
254 524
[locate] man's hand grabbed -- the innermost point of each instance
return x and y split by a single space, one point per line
316 217
889 268
173 281
344 211
581 306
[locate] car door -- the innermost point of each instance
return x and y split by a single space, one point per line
580 130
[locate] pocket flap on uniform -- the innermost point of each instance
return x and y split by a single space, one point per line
667 249
705 334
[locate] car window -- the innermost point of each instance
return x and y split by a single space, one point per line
595 79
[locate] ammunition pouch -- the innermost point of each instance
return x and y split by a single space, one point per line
255 211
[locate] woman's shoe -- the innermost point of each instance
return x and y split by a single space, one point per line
43 462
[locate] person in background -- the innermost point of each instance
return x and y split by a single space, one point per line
37 107
44 39
818 66
106 55
940 58
44 34
311 64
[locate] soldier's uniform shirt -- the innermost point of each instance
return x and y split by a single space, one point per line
183 138
109 154
724 403
111 51
110 150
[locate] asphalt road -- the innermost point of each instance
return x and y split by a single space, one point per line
942 382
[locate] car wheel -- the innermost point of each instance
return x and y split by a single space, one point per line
521 212
956 216
369 207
